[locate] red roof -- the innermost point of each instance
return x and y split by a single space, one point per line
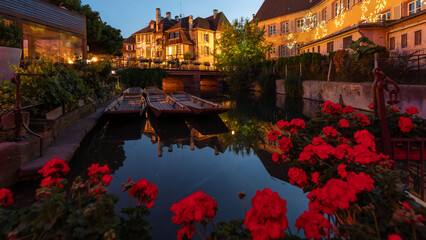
276 8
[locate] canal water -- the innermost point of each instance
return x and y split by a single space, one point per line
220 155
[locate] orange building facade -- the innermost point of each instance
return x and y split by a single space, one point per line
323 26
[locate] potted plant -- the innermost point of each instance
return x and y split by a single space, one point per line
10 48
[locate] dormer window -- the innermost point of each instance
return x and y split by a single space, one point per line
176 34
152 26
171 35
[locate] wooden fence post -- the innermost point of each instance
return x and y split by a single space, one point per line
329 70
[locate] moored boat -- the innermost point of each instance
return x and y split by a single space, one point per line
162 104
151 89
198 105
131 103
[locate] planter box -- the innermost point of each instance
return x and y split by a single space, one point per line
8 56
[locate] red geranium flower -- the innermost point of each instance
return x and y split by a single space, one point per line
371 106
360 182
195 207
188 230
341 170
54 168
95 169
412 110
405 124
273 135
145 192
362 119
332 108
343 123
341 150
314 224
394 109
107 180
285 144
51 182
330 131
316 178
267 218
6 197
394 237
298 177
366 139
283 124
276 157
298 123
349 109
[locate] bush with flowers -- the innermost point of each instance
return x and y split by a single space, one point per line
86 211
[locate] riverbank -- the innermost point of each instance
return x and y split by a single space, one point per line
21 160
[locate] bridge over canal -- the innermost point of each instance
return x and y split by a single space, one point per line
194 81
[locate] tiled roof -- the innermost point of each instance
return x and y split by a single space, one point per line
183 23
130 40
145 30
275 8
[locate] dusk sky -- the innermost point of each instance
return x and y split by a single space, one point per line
132 15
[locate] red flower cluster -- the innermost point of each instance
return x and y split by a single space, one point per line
298 177
343 123
412 110
316 178
283 125
54 168
336 194
298 123
318 148
273 135
267 219
285 144
314 224
6 197
341 150
330 131
371 106
360 182
195 207
366 139
394 109
362 119
51 172
276 157
341 170
145 192
394 236
405 124
98 174
332 108
348 109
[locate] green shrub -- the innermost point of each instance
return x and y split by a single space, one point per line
7 97
267 82
10 35
137 77
197 63
293 86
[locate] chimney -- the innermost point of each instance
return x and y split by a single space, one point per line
214 13
190 22
157 18
177 18
168 15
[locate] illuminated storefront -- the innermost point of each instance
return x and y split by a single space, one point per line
49 31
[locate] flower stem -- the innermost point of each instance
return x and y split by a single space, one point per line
207 232
198 232
244 206
214 225
377 225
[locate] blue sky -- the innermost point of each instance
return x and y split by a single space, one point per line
132 15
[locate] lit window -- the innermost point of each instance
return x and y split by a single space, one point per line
272 52
324 15
139 38
285 28
177 49
418 37
206 37
300 24
314 21
385 16
171 35
148 39
176 34
272 30
206 50
414 7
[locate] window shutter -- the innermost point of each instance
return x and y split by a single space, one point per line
292 26
397 12
329 11
404 9
319 19
277 29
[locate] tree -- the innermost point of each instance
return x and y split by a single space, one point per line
101 37
241 48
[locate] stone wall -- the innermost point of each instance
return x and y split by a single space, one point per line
359 95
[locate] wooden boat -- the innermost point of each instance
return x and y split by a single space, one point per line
152 89
162 104
127 105
198 105
134 91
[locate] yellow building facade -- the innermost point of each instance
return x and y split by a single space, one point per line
324 26
172 38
